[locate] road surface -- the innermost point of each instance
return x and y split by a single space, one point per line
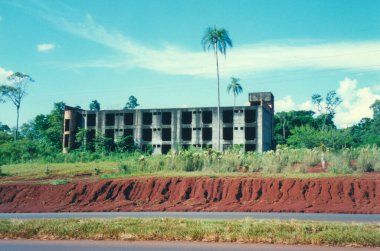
365 218
33 245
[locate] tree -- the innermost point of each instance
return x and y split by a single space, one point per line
81 139
367 131
47 129
376 108
306 136
327 111
55 130
103 144
94 105
5 135
16 92
126 144
326 108
219 40
235 87
4 128
373 135
131 104
285 122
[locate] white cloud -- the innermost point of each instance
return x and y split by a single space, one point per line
45 47
356 102
247 59
346 90
285 104
355 105
377 88
4 74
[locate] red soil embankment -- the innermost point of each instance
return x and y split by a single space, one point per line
327 195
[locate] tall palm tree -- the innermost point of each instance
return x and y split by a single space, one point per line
235 87
219 40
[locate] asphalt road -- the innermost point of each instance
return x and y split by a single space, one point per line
365 218
33 245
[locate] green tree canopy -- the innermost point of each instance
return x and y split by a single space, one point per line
4 128
308 137
131 104
367 131
94 105
285 122
376 108
46 128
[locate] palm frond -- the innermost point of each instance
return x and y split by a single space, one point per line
235 86
216 37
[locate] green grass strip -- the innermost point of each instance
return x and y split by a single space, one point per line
247 230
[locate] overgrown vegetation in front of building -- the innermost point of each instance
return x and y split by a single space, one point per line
195 162
247 231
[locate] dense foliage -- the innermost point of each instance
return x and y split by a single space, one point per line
304 129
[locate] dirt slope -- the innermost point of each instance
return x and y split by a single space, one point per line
338 195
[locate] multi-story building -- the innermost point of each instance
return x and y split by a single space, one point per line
251 127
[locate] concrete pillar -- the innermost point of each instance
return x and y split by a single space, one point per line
215 129
138 127
259 125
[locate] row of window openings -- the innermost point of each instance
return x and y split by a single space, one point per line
250 133
165 148
166 119
67 125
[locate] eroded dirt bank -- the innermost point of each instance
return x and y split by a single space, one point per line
338 195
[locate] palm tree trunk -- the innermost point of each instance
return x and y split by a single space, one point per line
234 100
217 73
18 115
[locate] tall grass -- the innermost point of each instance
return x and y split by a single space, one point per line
284 160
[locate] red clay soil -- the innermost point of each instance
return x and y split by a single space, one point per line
327 195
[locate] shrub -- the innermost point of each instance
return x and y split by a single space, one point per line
369 159
47 171
97 171
126 144
123 169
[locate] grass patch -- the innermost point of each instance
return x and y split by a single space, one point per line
32 170
248 230
59 182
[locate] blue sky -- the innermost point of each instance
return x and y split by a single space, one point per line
78 51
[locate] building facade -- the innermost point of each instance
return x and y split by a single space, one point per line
251 127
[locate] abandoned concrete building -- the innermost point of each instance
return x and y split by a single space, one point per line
251 126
